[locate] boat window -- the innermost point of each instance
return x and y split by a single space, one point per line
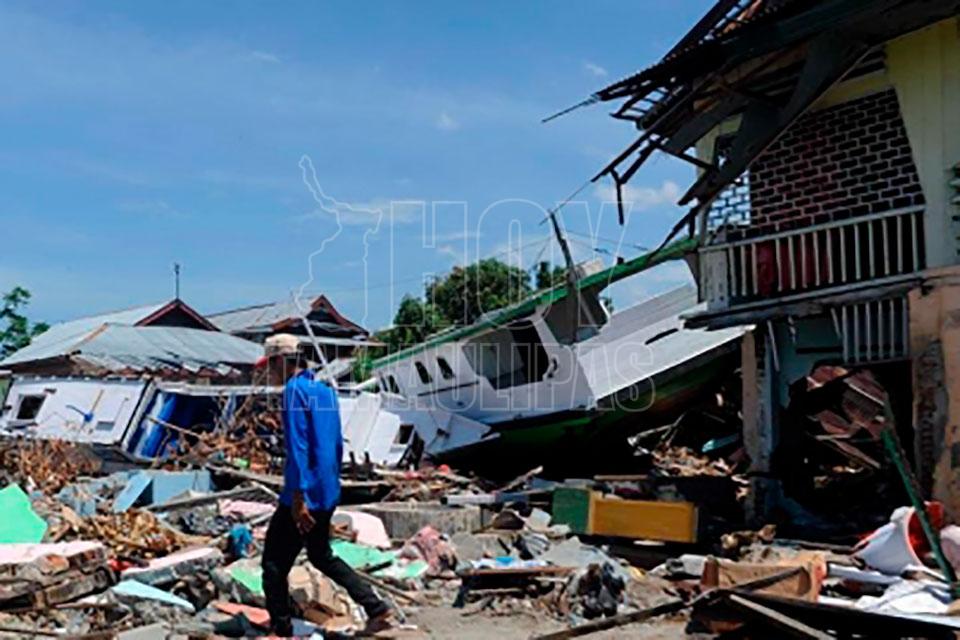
29 407
423 373
394 387
510 356
404 434
662 335
445 369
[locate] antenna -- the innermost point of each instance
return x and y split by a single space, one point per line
572 276
176 278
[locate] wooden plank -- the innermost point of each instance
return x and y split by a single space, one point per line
857 622
644 519
781 621
612 622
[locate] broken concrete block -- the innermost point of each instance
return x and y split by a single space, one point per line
474 546
404 519
46 574
175 566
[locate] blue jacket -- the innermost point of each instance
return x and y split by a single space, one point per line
314 444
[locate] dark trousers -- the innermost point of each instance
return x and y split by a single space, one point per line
280 551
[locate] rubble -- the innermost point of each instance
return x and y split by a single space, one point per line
126 546
122 551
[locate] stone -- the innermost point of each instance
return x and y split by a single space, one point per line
404 519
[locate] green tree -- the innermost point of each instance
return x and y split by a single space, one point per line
413 322
17 330
548 277
466 293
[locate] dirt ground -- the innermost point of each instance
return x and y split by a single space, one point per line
445 622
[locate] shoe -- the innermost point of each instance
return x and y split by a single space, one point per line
378 623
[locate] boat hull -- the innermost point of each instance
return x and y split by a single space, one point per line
578 440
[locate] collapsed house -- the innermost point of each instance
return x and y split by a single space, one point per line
827 141
158 380
170 340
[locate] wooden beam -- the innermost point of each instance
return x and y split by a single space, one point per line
671 606
779 620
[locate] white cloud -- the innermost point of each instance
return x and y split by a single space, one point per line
641 197
594 69
264 56
445 122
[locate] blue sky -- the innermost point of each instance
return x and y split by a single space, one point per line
140 134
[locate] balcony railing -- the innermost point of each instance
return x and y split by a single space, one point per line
875 330
817 257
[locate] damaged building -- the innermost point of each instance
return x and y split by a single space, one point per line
826 139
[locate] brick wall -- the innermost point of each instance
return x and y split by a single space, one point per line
849 160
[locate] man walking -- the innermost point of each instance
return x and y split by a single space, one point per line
311 490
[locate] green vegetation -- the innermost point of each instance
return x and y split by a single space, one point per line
17 331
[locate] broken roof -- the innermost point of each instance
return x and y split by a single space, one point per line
272 317
767 61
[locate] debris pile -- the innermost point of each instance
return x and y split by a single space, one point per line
177 549
45 464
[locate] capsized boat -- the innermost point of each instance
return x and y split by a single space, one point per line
556 374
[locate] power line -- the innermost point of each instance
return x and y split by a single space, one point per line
608 240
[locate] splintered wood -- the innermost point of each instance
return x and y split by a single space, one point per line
135 534
252 435
48 465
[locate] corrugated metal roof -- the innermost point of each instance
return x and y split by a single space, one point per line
119 347
65 336
647 339
257 316
151 348
262 318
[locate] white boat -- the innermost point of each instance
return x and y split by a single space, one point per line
558 370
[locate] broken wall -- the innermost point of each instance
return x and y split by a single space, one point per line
935 349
